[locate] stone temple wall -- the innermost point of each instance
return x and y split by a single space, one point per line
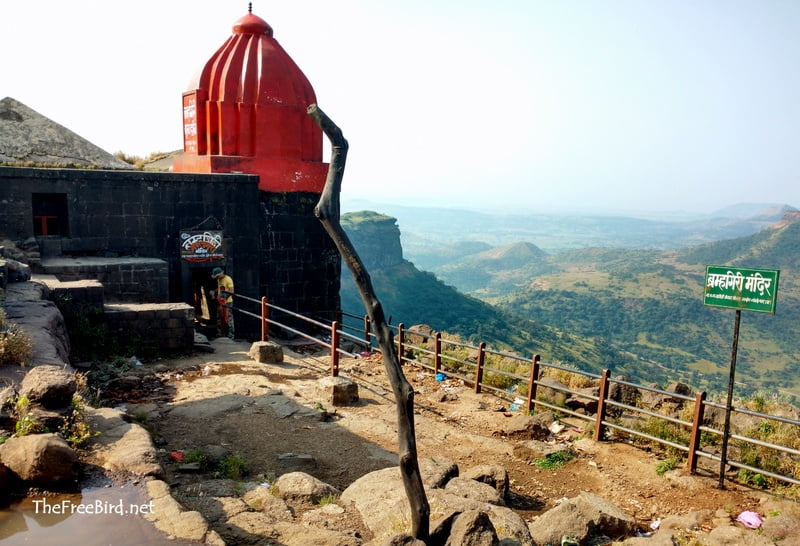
273 244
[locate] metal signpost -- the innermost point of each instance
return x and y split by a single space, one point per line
740 289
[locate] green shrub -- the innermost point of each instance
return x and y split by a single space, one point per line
665 430
666 465
25 422
196 455
554 460
16 346
327 499
233 467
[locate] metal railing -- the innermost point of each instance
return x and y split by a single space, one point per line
479 370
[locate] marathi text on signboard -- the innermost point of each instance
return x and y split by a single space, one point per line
201 246
740 288
190 123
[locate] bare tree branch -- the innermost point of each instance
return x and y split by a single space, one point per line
327 210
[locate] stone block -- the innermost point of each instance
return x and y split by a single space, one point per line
339 391
266 352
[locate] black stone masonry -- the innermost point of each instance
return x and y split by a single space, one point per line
273 244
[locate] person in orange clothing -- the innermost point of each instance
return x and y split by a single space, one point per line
224 295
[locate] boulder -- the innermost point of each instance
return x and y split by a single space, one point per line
582 517
18 271
402 539
381 501
472 528
782 526
494 475
266 352
215 453
42 459
303 488
471 489
171 518
435 471
584 402
50 386
419 334
624 394
297 534
261 498
120 445
528 427
338 391
534 449
556 393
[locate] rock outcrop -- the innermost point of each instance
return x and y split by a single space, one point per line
41 459
376 238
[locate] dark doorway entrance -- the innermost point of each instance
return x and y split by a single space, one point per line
50 214
205 307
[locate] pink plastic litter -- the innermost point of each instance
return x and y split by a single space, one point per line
749 519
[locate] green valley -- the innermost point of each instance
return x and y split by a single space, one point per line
637 312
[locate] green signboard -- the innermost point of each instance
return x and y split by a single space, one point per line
740 288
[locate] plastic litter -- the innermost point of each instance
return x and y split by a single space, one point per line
655 525
513 407
177 455
556 427
440 376
749 519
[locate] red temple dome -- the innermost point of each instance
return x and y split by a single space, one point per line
246 111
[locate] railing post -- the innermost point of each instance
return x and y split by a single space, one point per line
601 407
335 349
529 405
264 317
401 338
479 366
437 352
367 328
694 441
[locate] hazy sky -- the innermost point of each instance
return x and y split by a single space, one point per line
624 105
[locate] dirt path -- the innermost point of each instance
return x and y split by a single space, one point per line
263 412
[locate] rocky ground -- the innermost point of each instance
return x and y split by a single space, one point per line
275 419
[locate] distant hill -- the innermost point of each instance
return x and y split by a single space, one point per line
430 234
497 271
773 211
649 304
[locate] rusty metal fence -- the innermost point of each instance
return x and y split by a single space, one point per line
476 366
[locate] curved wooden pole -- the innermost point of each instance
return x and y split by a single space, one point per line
327 210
